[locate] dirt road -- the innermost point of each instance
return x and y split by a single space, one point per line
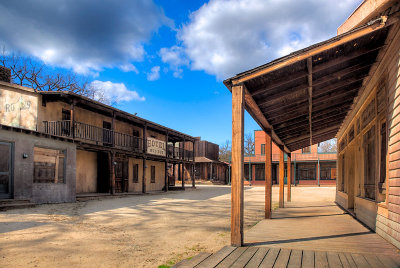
134 231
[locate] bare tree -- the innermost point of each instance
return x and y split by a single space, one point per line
30 73
225 151
328 146
249 145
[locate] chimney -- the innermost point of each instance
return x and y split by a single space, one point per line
5 74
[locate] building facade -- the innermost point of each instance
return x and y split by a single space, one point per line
309 166
72 145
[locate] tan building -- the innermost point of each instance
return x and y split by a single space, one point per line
345 87
102 149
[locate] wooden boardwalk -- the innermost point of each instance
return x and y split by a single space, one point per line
278 257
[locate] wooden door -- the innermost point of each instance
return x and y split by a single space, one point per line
107 133
121 175
5 170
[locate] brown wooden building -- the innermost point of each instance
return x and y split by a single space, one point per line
345 87
207 164
108 150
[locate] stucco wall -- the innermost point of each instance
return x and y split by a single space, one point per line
86 172
23 169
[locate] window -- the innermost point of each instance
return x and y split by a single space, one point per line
48 166
382 170
135 173
66 115
262 149
153 174
306 150
369 163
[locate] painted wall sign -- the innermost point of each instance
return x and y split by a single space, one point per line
18 109
156 147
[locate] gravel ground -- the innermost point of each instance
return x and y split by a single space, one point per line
134 231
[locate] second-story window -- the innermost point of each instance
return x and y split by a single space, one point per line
262 148
66 114
306 150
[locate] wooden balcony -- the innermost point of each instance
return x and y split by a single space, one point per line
106 137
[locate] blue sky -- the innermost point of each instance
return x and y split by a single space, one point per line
166 59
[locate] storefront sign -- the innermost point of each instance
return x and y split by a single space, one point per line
156 147
18 109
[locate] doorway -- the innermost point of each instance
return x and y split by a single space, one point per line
6 164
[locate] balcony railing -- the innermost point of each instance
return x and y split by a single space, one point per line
107 137
94 135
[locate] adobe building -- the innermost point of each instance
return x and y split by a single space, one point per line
308 165
345 87
59 145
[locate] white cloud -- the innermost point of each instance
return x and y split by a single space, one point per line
110 92
154 73
176 58
129 67
225 37
83 35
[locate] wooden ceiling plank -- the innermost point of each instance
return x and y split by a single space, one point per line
310 100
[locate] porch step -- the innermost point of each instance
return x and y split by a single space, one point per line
175 188
7 204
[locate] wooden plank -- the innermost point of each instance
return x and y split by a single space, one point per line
373 261
310 100
388 262
232 258
216 258
359 260
193 261
237 166
257 258
281 177
333 260
245 258
295 258
283 258
270 258
344 261
320 259
289 177
308 259
268 176
350 260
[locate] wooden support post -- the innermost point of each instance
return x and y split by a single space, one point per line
173 173
281 177
289 177
183 175
166 177
113 129
193 177
72 122
144 176
112 172
237 165
268 175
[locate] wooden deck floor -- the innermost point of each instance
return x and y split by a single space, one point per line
277 257
311 231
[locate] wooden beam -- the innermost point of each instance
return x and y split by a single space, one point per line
166 176
268 175
279 83
238 103
309 68
289 177
253 109
281 177
144 176
302 137
334 42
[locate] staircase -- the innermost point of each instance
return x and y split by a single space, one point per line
7 204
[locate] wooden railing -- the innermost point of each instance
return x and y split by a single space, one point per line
93 134
107 137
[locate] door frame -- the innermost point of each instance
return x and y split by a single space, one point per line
10 194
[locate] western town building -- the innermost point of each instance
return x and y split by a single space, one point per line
57 145
345 87
309 166
207 166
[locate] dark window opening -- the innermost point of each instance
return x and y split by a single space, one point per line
153 174
135 173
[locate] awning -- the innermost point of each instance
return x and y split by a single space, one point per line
304 97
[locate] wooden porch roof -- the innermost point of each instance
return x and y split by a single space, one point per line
304 97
